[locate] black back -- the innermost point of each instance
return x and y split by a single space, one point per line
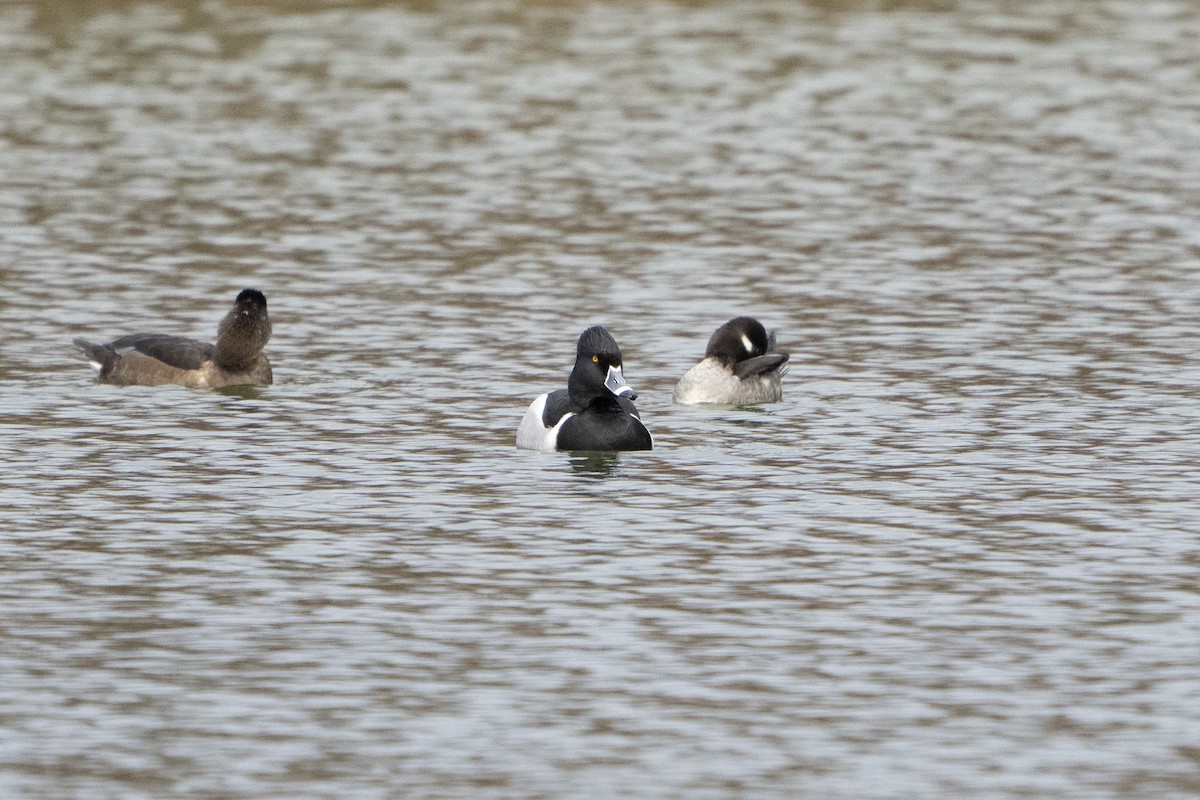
558 404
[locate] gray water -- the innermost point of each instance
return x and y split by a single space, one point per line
958 560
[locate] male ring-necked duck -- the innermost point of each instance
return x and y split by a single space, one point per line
594 412
154 359
740 367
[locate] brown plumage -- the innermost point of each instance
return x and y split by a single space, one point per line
154 359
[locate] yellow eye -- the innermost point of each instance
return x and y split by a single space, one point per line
595 359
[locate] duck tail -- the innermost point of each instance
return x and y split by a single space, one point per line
101 357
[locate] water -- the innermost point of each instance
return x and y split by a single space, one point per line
958 560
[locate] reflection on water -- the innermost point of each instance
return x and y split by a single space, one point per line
596 464
242 392
957 560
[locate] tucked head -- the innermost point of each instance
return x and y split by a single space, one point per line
251 302
244 331
738 339
597 369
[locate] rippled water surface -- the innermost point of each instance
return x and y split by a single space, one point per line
959 559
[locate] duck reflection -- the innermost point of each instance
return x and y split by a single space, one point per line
594 463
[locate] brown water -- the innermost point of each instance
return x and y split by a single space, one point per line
959 559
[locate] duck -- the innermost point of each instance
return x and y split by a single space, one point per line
156 359
740 367
594 412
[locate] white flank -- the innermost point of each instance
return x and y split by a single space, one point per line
532 433
710 382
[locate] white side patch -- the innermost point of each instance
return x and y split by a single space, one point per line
532 434
746 341
551 442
